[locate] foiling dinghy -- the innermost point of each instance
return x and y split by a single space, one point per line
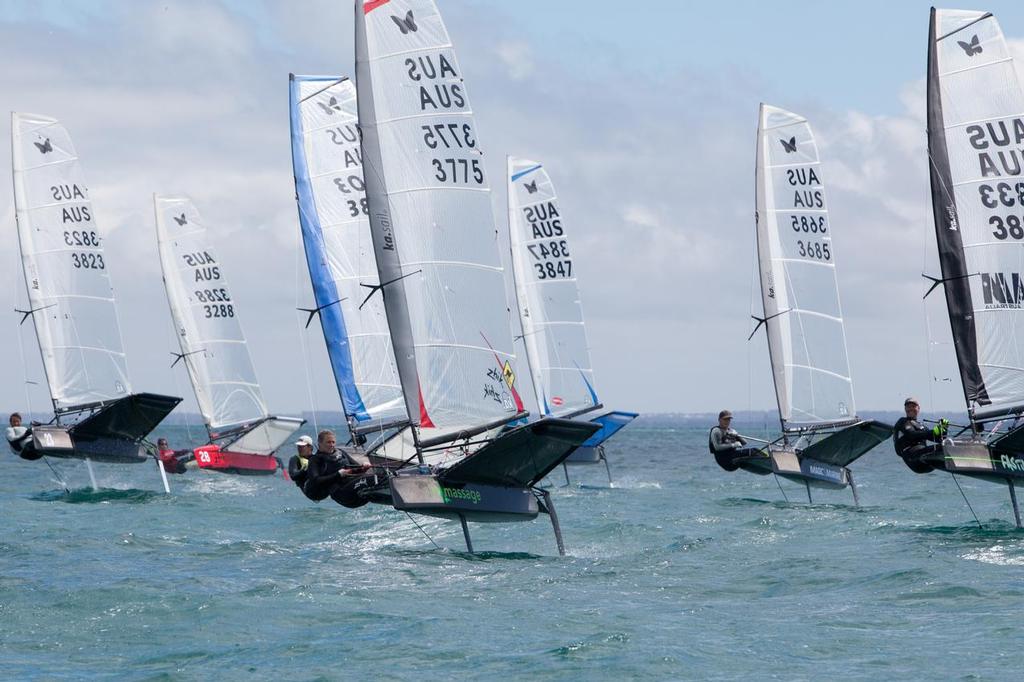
821 433
243 435
551 313
446 447
71 303
975 134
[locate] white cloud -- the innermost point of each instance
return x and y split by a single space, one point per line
655 177
518 59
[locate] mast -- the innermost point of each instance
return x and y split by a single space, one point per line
975 129
766 278
799 289
432 224
520 309
389 266
952 259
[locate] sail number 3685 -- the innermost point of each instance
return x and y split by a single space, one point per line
816 250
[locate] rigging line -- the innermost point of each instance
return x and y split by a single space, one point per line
323 89
437 546
178 390
924 303
21 342
60 479
306 360
781 489
754 270
981 527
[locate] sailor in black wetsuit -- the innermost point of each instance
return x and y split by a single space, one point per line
726 444
914 442
332 473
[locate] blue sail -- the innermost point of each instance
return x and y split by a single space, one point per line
325 291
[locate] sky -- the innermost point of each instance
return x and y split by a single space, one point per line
643 113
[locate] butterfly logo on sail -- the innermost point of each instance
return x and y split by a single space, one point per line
181 220
406 25
789 146
531 187
44 147
972 48
331 106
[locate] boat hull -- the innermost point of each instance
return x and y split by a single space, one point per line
114 433
977 459
427 494
212 458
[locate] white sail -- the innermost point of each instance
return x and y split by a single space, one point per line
206 319
547 293
976 136
334 214
432 221
806 338
69 288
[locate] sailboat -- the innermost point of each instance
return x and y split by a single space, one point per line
975 130
452 451
243 435
550 311
71 303
821 433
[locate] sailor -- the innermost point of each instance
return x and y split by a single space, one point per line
17 435
299 463
332 473
173 461
726 444
911 439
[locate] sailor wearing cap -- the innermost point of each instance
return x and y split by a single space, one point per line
299 463
911 439
726 444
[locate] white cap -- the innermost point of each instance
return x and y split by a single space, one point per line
304 440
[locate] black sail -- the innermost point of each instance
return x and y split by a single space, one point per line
952 259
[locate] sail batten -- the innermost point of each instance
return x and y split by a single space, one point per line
66 275
547 293
807 344
432 224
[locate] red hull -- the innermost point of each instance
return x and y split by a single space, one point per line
213 458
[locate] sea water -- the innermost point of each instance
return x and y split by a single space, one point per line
678 571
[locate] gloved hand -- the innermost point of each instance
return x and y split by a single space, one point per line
941 428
